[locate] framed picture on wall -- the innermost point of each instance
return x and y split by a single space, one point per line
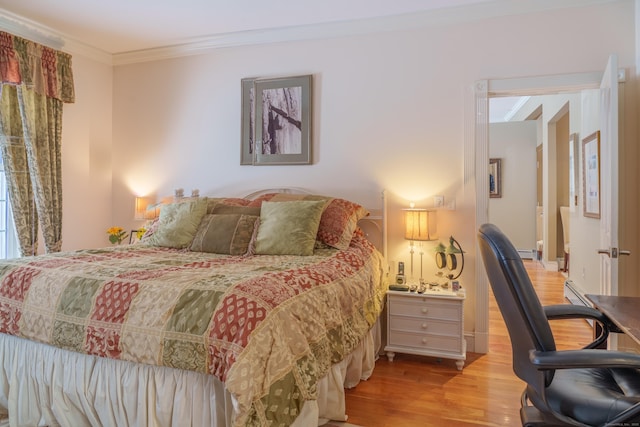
574 167
495 178
591 175
248 118
276 121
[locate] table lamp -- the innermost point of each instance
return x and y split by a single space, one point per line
420 225
140 209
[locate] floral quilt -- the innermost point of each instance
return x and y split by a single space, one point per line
268 326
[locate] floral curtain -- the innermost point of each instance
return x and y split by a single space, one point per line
35 81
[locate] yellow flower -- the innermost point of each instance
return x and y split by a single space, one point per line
116 235
140 232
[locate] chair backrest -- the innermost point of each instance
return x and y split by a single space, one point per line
518 302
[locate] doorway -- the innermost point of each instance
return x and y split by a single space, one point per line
529 208
477 160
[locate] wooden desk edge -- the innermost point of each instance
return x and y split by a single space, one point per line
621 310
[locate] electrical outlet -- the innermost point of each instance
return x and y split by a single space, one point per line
451 204
438 201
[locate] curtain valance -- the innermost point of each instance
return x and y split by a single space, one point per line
47 71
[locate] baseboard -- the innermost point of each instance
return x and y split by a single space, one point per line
549 265
576 296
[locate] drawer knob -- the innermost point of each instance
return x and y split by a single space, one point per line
424 325
424 340
424 310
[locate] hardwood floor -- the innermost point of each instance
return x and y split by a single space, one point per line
426 392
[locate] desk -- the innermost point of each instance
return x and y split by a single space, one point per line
624 312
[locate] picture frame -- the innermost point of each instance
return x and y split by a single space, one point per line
495 178
591 175
276 121
574 167
248 121
133 237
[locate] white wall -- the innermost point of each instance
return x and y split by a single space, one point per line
389 112
86 157
514 213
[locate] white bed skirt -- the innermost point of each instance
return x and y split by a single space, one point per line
42 385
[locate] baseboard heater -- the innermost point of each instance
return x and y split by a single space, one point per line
575 297
527 253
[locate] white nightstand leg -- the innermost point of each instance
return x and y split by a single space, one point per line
390 355
459 364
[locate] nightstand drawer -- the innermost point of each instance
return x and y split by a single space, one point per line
412 324
439 309
425 341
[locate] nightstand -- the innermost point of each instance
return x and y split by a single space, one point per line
428 324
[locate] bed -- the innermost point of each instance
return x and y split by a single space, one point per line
231 312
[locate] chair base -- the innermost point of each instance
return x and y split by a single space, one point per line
530 416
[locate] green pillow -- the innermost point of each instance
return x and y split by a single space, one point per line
228 234
288 228
231 209
178 223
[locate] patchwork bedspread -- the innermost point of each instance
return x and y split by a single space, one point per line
267 326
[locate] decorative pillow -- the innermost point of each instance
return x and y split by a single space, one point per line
228 234
232 209
288 228
151 227
339 219
178 223
263 198
213 202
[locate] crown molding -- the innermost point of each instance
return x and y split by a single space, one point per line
27 29
49 37
193 46
404 22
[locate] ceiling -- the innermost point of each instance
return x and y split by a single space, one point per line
502 109
118 26
130 26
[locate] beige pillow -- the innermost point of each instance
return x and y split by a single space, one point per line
178 223
228 234
288 228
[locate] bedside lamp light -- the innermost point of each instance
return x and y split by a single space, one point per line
420 225
140 210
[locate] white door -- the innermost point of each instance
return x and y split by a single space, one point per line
608 120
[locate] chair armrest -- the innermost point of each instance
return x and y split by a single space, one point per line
569 311
587 358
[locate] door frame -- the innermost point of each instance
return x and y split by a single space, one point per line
476 160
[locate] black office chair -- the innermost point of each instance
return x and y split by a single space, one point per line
582 387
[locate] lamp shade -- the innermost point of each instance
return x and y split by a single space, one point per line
420 224
141 204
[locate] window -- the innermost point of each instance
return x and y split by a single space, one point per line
8 238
